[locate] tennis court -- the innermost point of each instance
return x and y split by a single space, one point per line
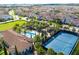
62 42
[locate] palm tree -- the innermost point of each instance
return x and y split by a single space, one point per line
37 45
18 30
41 51
57 20
4 48
37 38
16 51
51 52
25 31
14 28
17 25
43 36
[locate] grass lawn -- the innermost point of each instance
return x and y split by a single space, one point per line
76 50
1 52
10 25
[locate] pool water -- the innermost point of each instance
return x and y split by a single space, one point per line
62 42
30 34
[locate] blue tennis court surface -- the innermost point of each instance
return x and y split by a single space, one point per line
62 42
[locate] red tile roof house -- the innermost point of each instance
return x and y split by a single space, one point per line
23 43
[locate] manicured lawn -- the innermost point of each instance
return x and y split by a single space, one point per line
1 52
76 50
10 25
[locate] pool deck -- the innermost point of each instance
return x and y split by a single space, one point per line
30 34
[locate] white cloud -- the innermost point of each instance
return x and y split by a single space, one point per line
36 1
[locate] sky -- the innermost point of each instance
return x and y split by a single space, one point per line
36 1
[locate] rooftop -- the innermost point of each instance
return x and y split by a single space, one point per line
13 38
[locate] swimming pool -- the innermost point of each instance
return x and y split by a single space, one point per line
30 34
63 41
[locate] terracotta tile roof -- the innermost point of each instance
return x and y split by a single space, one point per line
13 38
